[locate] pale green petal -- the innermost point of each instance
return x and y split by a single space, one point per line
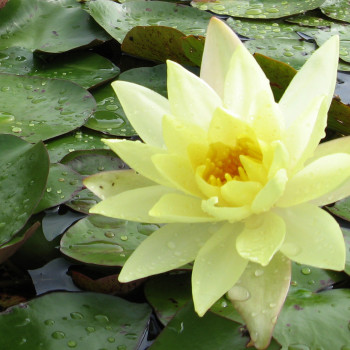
280 158
179 134
261 238
168 248
144 109
138 156
110 183
340 145
225 213
178 171
220 43
132 205
244 83
255 169
259 296
313 237
339 193
316 179
217 268
191 98
174 207
316 78
240 193
197 154
271 192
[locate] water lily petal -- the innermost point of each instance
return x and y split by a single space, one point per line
220 43
177 170
279 160
261 238
110 183
254 169
178 134
174 207
313 237
240 193
337 194
128 206
207 189
318 178
144 109
271 192
317 77
244 82
225 213
168 248
138 156
340 145
197 153
217 268
191 98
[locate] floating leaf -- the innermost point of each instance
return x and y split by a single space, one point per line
23 173
309 20
81 321
341 208
83 201
193 47
104 241
48 107
337 9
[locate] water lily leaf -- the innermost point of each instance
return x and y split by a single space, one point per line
62 183
343 87
23 173
79 140
257 8
16 60
51 26
48 107
341 208
109 117
83 201
104 241
193 47
309 20
346 233
189 331
59 321
155 43
337 9
118 19
308 319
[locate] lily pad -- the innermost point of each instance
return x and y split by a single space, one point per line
309 20
341 208
104 241
48 107
23 173
62 183
51 26
337 9
257 8
118 19
59 321
193 47
83 201
308 319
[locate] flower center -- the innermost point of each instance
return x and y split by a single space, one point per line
223 163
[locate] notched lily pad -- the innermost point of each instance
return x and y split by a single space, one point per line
83 201
104 241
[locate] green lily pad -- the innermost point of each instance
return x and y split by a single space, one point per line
257 8
62 183
48 107
337 9
341 208
109 117
51 26
59 321
83 201
118 19
155 43
16 60
79 140
193 47
309 20
23 173
315 321
104 241
346 233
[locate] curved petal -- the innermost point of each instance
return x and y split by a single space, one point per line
128 206
279 160
138 156
220 43
217 268
191 98
240 193
207 189
110 183
316 179
339 193
261 238
244 83
313 237
174 207
340 145
168 248
271 192
144 109
316 78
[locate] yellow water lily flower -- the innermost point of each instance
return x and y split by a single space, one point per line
237 178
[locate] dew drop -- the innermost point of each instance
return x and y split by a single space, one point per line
111 339
306 271
298 347
72 344
49 189
121 347
90 329
101 318
109 234
58 335
238 293
6 117
49 322
112 107
253 11
124 238
76 316
258 272
16 129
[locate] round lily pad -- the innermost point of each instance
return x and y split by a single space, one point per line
48 107
337 9
81 321
104 241
51 26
